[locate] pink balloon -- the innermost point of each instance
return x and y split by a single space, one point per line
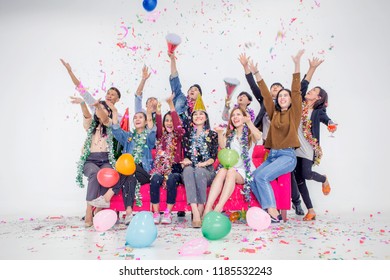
104 220
257 218
194 247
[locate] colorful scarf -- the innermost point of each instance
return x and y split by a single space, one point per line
306 127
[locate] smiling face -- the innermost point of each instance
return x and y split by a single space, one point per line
112 96
193 92
139 120
199 118
168 123
284 99
237 118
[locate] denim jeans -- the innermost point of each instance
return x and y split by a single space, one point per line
278 163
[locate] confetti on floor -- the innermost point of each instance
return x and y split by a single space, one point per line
346 237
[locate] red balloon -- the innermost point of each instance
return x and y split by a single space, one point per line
107 177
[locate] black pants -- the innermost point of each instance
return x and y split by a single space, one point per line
128 184
302 172
173 181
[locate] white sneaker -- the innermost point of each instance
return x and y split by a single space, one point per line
167 218
156 217
128 219
99 202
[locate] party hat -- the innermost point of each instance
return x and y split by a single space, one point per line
199 105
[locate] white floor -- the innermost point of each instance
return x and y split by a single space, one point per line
348 236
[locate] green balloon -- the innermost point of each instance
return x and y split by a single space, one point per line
215 226
228 157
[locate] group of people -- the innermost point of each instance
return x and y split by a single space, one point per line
186 147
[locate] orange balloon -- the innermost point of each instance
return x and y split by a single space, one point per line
125 164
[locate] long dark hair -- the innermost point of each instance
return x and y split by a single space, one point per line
97 120
277 106
323 101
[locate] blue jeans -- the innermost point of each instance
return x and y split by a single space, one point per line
279 162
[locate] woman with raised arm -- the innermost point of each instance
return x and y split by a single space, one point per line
310 153
139 143
241 136
282 139
97 151
167 168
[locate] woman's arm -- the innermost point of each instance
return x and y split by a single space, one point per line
257 134
296 98
221 136
267 98
244 60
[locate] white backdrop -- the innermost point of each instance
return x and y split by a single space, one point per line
42 131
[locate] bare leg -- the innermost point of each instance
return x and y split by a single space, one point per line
108 195
196 221
88 216
156 208
232 178
169 207
215 189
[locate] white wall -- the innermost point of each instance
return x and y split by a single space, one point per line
42 132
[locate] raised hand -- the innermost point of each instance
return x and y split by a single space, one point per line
253 67
297 57
171 55
66 64
145 73
315 62
111 106
76 100
244 59
158 109
219 129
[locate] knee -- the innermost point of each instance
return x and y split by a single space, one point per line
156 180
91 171
231 174
199 172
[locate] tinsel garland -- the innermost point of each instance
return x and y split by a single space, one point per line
139 144
138 195
164 157
87 152
199 146
244 143
306 127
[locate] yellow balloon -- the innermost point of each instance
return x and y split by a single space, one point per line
125 164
